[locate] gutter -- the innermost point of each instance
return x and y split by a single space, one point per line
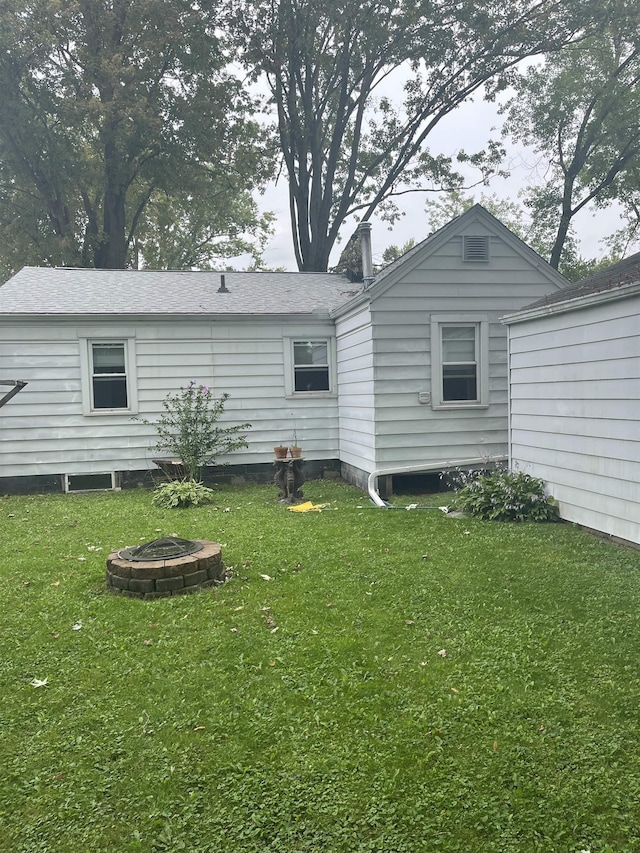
417 469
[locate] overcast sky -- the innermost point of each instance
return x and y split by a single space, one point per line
469 127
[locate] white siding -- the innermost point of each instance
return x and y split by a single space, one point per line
43 429
575 411
407 431
356 390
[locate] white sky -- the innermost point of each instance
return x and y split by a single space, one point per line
469 127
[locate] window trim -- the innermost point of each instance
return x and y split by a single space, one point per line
86 371
289 365
481 324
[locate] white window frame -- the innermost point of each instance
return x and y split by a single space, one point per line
289 365
86 370
481 324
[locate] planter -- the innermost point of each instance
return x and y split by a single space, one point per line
295 451
280 452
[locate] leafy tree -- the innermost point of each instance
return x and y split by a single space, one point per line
580 110
346 148
111 109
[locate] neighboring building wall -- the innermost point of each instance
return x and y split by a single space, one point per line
44 431
575 411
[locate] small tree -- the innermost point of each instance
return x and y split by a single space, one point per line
189 428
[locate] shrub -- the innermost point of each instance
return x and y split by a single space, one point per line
506 496
180 494
189 428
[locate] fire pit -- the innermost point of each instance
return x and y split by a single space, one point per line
170 566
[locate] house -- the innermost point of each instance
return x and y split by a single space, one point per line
574 365
406 370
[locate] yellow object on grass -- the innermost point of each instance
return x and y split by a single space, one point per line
307 507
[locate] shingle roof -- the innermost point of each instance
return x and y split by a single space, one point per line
617 275
42 291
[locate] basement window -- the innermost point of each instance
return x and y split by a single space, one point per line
91 482
475 248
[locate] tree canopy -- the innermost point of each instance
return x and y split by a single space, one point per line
346 147
111 112
580 110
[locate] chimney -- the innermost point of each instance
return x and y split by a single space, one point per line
364 229
223 287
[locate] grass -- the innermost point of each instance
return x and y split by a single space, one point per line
433 683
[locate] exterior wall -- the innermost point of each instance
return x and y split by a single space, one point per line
43 430
575 411
356 398
411 432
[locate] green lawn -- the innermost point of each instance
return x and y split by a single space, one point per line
433 684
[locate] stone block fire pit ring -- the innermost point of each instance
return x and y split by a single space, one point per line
166 576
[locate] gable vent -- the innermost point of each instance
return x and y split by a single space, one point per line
475 248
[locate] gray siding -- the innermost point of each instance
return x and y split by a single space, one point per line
410 432
43 429
357 414
575 411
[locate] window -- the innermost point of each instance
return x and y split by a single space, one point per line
309 366
108 376
459 360
459 363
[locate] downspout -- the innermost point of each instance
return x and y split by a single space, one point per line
417 469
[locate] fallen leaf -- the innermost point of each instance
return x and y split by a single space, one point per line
453 690
409 622
495 746
59 776
56 583
39 682
147 642
272 663
266 577
443 653
56 636
77 626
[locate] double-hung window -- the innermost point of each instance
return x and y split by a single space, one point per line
460 354
309 366
108 376
459 363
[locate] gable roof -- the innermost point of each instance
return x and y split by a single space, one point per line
416 255
63 291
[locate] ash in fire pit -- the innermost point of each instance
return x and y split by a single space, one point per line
170 566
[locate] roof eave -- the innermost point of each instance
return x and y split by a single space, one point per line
572 304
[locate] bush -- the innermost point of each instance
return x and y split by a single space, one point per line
189 430
506 496
180 494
